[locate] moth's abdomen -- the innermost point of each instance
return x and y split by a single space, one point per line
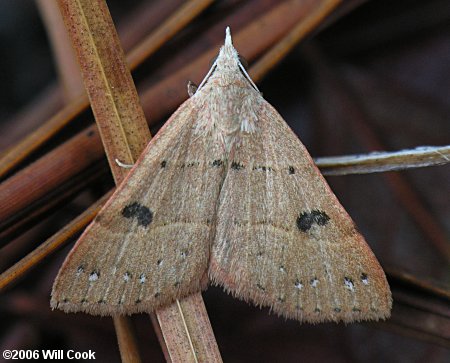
227 110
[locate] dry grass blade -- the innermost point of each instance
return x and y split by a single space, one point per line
21 150
113 99
128 347
51 245
68 70
108 82
378 162
171 26
421 309
20 192
282 48
123 127
192 309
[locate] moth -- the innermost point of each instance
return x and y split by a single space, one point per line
225 193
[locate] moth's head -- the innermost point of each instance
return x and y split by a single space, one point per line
228 58
228 66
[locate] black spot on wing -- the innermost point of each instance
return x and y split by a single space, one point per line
236 165
190 164
217 163
141 213
262 168
306 219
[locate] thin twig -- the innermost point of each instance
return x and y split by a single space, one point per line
51 245
124 133
66 63
378 162
114 101
311 21
21 150
127 346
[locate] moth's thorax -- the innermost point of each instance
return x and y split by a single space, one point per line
227 105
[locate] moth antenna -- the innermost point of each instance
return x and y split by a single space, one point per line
207 75
248 77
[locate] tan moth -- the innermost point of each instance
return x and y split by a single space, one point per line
225 192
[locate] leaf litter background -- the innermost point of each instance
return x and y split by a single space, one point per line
376 79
